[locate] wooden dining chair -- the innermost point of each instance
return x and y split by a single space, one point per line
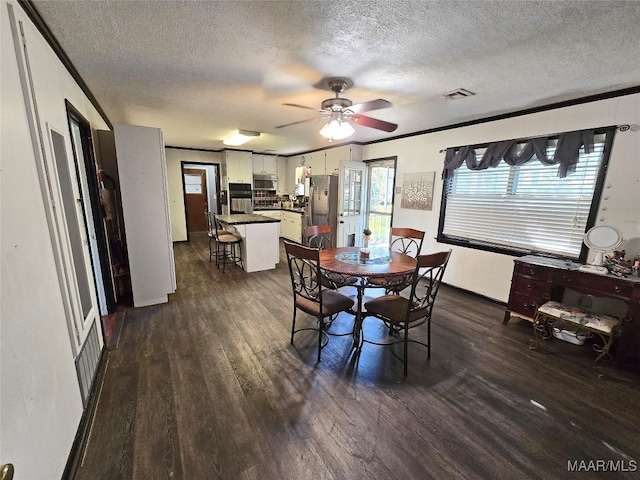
403 313
319 236
309 295
406 240
403 240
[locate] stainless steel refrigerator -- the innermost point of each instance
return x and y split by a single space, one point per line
322 208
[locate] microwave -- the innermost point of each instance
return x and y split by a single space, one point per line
265 182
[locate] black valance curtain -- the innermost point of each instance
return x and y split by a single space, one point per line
566 153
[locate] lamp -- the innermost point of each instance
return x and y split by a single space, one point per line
337 130
240 137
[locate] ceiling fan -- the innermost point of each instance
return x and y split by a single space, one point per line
340 112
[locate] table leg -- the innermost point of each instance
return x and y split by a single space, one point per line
358 339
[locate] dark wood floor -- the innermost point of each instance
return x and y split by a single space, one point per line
208 386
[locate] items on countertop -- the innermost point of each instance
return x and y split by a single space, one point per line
617 265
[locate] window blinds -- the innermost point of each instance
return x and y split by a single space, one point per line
526 207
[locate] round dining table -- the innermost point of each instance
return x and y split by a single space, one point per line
377 268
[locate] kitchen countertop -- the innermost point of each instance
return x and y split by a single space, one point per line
244 219
300 210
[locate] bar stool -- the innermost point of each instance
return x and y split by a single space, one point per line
211 231
226 244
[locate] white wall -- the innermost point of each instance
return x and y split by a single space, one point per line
174 179
39 394
489 274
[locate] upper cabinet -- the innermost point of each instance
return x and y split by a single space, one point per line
316 161
239 166
283 176
335 155
265 164
324 162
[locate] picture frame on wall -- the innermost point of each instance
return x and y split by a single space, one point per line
417 190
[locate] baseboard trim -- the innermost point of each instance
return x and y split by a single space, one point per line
83 433
476 294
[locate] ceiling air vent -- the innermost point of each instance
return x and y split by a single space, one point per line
457 94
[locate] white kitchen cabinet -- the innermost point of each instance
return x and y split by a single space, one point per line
316 161
283 176
265 164
239 166
291 226
143 186
333 157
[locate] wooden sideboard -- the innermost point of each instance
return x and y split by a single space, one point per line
539 279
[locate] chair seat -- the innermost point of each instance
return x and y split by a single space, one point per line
339 280
228 238
394 308
332 302
596 322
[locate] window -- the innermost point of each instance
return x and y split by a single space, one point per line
526 208
352 193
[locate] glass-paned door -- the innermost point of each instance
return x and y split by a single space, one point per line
351 211
381 174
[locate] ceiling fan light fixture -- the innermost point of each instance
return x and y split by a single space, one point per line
337 130
241 137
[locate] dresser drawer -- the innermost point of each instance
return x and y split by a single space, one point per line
595 285
524 304
530 286
537 272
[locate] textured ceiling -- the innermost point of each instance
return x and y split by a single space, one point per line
200 69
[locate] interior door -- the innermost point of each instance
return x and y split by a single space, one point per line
195 192
351 203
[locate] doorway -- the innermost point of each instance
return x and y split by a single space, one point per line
201 190
196 201
380 196
93 208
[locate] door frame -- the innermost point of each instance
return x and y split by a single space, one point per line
102 242
186 163
202 173
369 164
341 235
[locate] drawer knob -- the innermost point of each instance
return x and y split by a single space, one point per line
529 286
616 288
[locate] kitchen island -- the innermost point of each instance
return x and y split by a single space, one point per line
260 243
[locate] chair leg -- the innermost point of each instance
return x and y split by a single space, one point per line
319 337
429 338
240 255
406 348
293 324
224 257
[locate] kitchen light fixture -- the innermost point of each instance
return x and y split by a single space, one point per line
337 130
240 137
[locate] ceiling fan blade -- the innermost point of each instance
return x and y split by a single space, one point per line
373 123
368 106
301 121
302 106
